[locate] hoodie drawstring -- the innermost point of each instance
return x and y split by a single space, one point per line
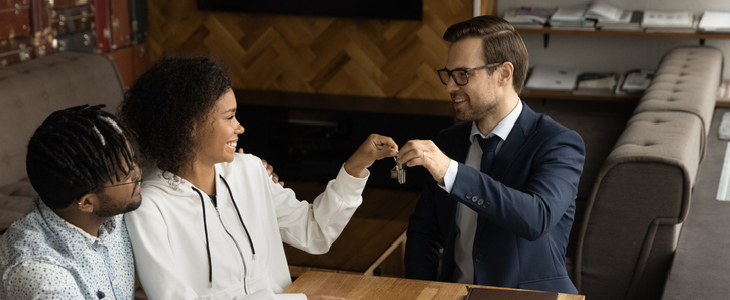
207 243
250 241
205 225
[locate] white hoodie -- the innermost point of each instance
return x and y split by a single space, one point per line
168 232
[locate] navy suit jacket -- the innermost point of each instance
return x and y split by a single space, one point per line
525 208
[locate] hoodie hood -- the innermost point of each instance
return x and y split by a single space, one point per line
168 182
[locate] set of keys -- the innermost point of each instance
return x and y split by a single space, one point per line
398 172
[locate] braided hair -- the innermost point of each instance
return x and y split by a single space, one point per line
75 152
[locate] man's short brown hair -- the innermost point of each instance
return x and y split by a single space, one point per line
500 43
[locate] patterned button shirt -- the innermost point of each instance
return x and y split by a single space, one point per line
44 257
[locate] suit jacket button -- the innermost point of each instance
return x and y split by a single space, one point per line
474 199
486 204
469 195
478 258
480 202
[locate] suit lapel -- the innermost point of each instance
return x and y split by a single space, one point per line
516 140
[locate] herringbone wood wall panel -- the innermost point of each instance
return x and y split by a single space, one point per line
314 54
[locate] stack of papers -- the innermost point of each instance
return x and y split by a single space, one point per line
604 12
610 17
715 21
691 29
527 16
663 19
572 17
637 80
634 22
555 78
597 83
570 13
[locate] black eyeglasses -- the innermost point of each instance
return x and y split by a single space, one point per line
460 75
131 182
135 168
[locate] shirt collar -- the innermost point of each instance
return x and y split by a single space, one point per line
502 129
79 240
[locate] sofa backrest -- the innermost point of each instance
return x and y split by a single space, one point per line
642 194
629 229
687 80
30 91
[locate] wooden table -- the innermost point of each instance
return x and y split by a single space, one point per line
357 287
374 237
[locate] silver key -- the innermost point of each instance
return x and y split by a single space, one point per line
398 172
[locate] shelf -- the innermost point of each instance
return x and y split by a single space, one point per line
626 33
540 94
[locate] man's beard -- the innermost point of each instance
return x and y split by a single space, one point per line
472 113
107 207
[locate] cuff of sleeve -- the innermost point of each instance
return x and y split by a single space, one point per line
450 176
363 175
346 184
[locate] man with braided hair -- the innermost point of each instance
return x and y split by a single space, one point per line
73 243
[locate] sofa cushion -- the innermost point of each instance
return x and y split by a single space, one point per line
20 188
12 208
32 90
15 201
7 217
19 204
687 80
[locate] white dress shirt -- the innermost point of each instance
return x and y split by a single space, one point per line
466 218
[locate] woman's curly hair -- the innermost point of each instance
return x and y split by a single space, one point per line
167 102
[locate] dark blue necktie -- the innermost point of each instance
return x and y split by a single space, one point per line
489 145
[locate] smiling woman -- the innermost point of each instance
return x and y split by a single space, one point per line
219 132
213 222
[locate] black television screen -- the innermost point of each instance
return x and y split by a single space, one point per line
375 9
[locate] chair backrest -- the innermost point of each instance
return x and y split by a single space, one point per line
30 91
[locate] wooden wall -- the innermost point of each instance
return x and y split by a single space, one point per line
341 56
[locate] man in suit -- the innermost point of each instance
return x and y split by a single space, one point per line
501 205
